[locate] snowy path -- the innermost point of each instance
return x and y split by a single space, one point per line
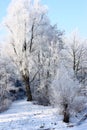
24 115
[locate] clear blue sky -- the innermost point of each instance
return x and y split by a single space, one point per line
68 14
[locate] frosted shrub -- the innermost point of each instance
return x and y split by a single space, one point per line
4 104
4 99
78 104
65 93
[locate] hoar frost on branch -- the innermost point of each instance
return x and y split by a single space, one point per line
74 55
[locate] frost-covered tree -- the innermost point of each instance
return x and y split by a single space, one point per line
65 93
49 58
30 35
23 22
75 55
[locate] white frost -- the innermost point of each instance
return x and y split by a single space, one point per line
24 115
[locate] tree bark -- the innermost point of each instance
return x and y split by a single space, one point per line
66 114
28 89
66 117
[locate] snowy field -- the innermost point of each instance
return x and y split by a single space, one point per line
24 115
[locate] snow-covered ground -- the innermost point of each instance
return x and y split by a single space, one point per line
24 115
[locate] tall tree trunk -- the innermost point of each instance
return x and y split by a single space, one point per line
27 86
66 114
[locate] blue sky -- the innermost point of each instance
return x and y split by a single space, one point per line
3 7
68 14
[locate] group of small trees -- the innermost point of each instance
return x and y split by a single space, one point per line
48 66
8 81
68 85
4 76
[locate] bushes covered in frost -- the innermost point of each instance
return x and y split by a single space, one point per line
65 94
